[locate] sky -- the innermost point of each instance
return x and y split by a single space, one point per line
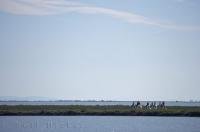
100 49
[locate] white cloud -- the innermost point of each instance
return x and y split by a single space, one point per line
52 7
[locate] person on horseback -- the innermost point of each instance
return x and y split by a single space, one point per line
133 105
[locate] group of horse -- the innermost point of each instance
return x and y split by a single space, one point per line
151 105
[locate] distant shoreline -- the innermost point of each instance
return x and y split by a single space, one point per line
101 103
109 110
97 101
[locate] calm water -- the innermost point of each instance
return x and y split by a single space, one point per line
98 124
168 103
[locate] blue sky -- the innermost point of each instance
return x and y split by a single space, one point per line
100 49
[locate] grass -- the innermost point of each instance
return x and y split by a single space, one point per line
115 110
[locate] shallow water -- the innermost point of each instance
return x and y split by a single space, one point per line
98 124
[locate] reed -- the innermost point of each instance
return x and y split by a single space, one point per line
110 110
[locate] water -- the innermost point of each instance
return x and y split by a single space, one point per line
98 124
167 103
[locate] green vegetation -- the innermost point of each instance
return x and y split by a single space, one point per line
117 110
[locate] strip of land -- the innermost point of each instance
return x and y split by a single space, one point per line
111 110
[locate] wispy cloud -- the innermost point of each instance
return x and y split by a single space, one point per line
53 7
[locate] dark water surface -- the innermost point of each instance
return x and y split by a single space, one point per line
168 103
98 124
